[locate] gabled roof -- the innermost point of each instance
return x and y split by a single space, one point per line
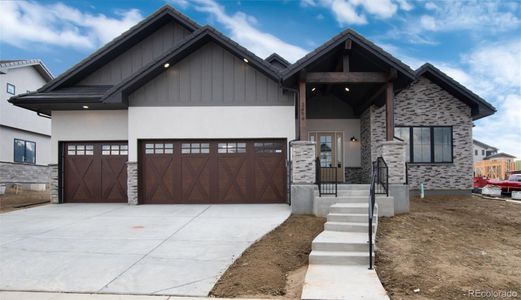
122 43
480 107
338 40
499 155
275 58
483 145
18 63
192 42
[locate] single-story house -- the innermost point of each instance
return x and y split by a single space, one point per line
175 112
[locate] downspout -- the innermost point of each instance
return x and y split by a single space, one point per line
297 131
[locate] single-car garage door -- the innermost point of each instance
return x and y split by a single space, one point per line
95 172
213 171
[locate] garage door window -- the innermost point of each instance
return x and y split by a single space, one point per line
268 147
114 150
195 148
232 147
159 148
80 150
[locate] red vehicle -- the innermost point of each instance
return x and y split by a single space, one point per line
512 184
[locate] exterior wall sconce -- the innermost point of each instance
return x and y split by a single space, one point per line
353 139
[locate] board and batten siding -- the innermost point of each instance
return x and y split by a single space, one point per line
211 76
137 56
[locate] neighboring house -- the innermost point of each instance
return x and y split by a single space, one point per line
497 166
25 137
482 150
174 112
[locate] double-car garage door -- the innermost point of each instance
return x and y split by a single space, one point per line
213 171
179 171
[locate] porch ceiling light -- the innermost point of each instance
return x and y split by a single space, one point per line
347 89
245 60
85 107
166 65
313 89
353 139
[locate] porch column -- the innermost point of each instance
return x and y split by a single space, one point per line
303 132
389 111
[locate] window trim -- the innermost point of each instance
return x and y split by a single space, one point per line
7 88
25 150
432 161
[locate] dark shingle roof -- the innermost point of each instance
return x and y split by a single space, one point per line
118 41
341 37
277 58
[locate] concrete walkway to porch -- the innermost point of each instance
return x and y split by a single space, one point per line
76 296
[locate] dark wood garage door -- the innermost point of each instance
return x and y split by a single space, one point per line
213 171
95 172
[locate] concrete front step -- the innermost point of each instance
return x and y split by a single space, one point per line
342 217
349 208
348 226
345 186
339 257
342 199
341 241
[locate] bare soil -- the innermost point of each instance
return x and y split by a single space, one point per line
12 200
274 266
449 245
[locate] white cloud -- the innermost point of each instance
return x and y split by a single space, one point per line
180 3
26 23
243 31
355 11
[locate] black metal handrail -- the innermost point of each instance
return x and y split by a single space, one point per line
327 179
382 176
379 185
372 200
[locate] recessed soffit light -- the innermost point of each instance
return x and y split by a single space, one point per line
85 107
245 60
166 65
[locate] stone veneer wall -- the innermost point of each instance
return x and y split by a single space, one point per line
132 182
53 184
353 175
303 162
23 173
427 104
393 152
365 145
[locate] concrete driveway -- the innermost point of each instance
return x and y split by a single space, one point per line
117 248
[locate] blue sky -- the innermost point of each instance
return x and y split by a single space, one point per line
478 43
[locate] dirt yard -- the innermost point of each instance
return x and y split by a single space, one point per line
275 266
448 246
12 201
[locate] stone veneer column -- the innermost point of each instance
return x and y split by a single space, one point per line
393 152
54 184
132 182
303 162
302 177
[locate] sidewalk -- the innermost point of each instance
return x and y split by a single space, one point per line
6 295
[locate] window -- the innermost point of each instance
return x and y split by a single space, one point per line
80 150
11 89
483 152
159 148
195 148
267 147
475 152
114 150
24 151
427 144
231 148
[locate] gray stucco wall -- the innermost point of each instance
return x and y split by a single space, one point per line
211 76
426 104
137 56
22 173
